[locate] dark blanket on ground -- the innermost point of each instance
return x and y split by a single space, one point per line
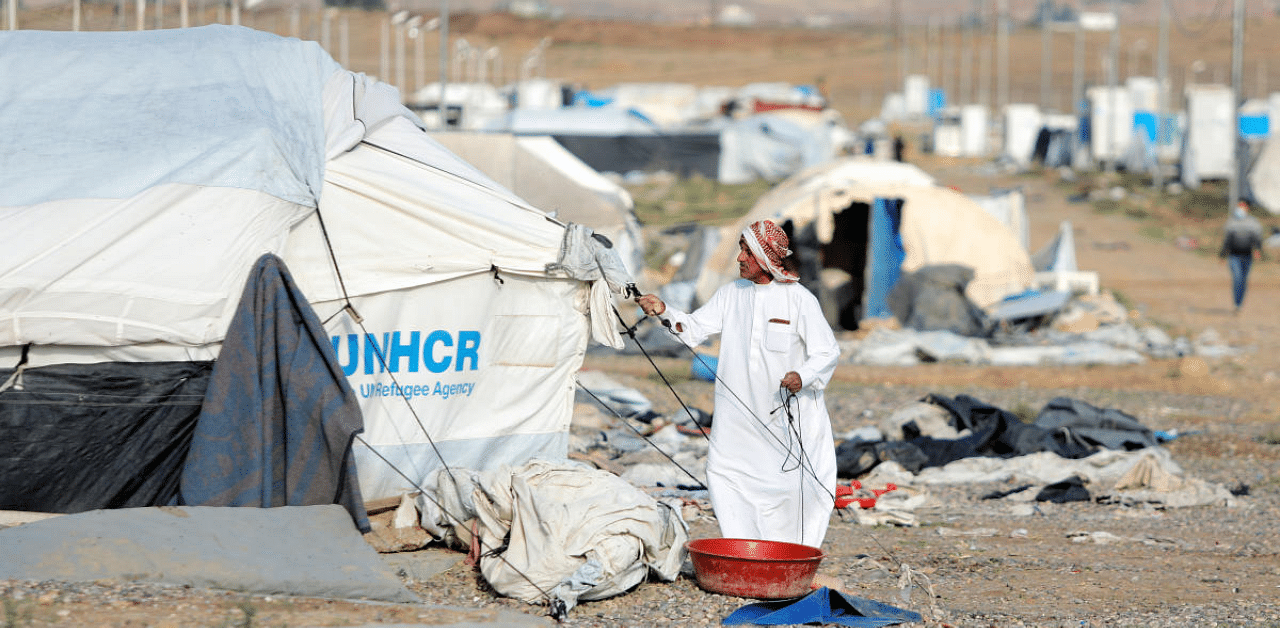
279 416
1067 427
933 298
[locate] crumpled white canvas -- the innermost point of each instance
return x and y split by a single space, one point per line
576 532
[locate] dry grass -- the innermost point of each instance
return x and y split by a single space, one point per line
856 66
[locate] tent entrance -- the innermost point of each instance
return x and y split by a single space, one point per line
854 272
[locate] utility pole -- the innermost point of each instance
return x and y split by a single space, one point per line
1162 90
1112 70
1002 52
1046 56
905 63
891 44
1237 69
1077 70
966 64
947 78
984 64
443 108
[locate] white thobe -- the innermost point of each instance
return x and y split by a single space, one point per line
771 476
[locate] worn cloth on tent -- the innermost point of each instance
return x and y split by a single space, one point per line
824 606
771 471
557 528
77 437
279 416
311 551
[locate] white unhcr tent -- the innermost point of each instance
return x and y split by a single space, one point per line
144 173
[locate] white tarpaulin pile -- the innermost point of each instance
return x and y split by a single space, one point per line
565 529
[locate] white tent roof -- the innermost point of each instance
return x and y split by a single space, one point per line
538 169
175 194
939 225
148 170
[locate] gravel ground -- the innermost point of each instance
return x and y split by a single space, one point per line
1074 564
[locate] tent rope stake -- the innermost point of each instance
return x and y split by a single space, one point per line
556 607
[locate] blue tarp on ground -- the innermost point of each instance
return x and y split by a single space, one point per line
824 605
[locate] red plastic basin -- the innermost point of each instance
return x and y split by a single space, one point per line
768 570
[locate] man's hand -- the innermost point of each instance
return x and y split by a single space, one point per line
791 381
651 304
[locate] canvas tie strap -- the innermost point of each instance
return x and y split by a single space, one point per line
15 380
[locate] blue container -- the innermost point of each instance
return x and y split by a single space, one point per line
703 367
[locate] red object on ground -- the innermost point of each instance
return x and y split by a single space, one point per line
845 494
762 106
767 570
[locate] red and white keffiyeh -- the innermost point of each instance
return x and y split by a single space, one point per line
768 243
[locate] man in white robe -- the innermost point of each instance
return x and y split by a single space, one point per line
771 469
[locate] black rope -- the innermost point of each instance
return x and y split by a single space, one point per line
746 408
808 468
700 484
794 428
631 331
349 308
489 551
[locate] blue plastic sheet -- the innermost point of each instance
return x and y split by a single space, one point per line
825 606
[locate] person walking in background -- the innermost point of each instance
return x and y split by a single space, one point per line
1242 237
771 468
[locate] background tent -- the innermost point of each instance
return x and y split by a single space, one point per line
540 170
145 172
1264 176
857 224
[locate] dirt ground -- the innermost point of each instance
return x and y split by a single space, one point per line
1201 566
987 565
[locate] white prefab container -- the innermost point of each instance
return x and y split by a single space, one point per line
946 134
1144 93
1060 122
1010 208
915 94
1110 122
894 107
1022 122
1208 152
539 94
973 130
